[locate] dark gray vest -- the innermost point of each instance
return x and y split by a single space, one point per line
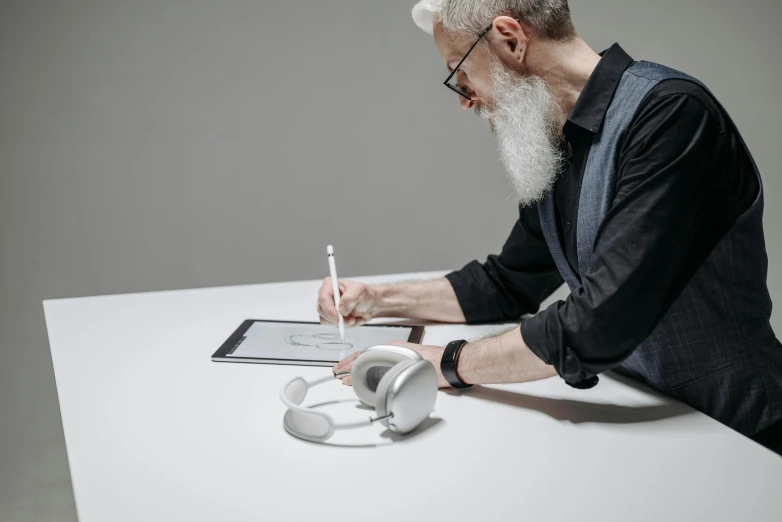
714 349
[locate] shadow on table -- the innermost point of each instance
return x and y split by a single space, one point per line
577 412
425 426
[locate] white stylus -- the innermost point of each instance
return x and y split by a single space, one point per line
335 288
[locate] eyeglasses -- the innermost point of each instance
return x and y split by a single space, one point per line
453 86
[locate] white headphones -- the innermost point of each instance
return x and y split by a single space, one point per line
396 381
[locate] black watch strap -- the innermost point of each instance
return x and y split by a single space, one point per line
448 364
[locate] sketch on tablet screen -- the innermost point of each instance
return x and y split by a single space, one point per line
323 341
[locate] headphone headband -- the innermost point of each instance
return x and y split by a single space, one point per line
308 423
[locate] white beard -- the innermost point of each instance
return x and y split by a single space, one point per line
525 119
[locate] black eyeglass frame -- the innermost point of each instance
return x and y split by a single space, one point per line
456 69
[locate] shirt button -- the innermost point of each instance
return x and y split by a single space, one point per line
569 226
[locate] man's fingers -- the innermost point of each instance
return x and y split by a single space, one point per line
346 364
347 381
324 317
350 320
326 306
355 321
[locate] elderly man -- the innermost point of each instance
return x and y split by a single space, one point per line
636 189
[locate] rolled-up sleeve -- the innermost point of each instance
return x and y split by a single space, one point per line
510 284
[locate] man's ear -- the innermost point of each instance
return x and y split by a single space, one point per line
508 39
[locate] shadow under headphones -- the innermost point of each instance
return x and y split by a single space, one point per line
396 381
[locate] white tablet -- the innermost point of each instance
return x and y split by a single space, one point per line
306 344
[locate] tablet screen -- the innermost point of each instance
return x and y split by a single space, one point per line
311 342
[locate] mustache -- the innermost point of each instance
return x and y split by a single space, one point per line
487 114
482 111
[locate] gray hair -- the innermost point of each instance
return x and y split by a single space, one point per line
548 18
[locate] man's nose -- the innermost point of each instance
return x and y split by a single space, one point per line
467 104
471 99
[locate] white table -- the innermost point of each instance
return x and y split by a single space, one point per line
156 431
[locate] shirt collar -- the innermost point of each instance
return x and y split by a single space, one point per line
593 102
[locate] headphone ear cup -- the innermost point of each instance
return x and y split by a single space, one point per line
358 374
382 402
370 367
408 393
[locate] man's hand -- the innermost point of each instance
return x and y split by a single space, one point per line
433 354
357 303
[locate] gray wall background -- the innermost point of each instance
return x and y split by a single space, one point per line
148 145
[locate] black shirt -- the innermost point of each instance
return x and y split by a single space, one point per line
683 179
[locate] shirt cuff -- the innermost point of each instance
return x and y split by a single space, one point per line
543 335
474 293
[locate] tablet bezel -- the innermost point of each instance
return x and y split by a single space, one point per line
234 340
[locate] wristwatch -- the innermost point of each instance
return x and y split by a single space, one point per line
448 364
